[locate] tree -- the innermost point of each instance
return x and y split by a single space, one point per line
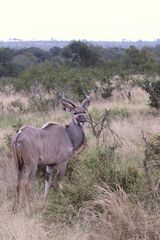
55 51
41 55
139 61
6 55
81 54
131 59
25 60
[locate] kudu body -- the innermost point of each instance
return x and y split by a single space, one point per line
52 145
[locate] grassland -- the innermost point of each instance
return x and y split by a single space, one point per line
105 194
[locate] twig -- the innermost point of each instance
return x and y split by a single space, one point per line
146 157
153 165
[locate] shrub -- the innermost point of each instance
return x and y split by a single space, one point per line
152 164
153 88
41 104
16 106
6 145
17 124
107 89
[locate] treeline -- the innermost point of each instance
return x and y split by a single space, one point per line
80 54
78 65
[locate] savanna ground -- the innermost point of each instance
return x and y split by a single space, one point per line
106 191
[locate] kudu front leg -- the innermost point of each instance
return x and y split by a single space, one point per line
61 173
48 182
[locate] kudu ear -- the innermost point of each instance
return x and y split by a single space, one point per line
86 101
67 107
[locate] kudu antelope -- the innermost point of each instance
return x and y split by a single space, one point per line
52 145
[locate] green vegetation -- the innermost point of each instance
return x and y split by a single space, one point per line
78 65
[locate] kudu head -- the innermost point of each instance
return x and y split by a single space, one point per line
78 112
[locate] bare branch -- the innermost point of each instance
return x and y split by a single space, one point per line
103 123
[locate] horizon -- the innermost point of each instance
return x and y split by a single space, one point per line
83 40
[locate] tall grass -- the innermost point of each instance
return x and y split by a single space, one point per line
115 216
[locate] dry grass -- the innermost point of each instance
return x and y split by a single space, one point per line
7 99
114 216
20 227
138 103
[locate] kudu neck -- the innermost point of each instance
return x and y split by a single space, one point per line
76 134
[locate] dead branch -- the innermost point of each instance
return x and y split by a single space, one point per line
103 123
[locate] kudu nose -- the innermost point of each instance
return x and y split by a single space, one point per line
82 118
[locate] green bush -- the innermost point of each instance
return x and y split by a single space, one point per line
153 89
107 89
41 104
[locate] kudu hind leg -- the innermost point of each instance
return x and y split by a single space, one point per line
30 174
18 187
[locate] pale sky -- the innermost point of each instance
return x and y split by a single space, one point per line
80 19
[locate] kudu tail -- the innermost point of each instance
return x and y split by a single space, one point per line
17 155
19 166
